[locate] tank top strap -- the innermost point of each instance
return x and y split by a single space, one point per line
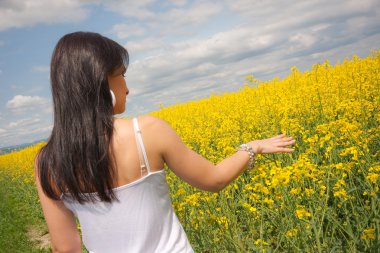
144 163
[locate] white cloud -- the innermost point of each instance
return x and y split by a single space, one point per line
178 2
266 14
319 27
199 58
303 39
21 13
194 15
2 131
20 101
41 68
124 31
136 9
234 44
43 129
144 45
24 122
24 134
175 20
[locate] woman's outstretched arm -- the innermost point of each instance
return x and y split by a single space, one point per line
201 173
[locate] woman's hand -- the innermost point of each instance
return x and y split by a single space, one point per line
276 144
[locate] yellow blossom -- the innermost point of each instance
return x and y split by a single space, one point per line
261 242
249 207
302 213
368 234
373 177
292 232
309 191
295 191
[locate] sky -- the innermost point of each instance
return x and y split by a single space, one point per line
180 50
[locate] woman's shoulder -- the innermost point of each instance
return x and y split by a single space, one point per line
145 122
150 120
153 135
156 127
153 130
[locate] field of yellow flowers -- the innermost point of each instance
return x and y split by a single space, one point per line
324 197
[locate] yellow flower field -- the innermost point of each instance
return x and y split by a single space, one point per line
324 197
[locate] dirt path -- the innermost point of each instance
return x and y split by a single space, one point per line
39 237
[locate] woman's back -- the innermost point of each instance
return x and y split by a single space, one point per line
142 220
124 149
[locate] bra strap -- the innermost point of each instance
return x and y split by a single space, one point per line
145 168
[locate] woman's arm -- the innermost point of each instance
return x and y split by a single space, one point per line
201 173
61 223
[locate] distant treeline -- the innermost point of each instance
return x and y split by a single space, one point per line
6 150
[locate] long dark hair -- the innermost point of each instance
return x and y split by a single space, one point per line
77 157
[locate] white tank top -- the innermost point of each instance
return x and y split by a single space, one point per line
142 221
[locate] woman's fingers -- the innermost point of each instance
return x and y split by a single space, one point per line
283 140
287 150
288 143
280 135
287 139
276 144
277 137
281 146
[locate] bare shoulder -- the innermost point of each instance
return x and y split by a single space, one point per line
155 131
152 122
148 125
144 121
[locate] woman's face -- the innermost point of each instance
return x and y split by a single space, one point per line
119 87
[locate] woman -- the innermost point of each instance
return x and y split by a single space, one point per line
108 172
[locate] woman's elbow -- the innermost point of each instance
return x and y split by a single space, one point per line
67 249
215 190
216 186
219 181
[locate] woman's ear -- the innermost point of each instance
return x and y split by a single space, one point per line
113 98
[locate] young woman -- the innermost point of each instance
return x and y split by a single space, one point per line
109 172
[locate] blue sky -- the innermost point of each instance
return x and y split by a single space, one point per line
180 50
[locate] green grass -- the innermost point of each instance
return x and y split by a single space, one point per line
18 213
